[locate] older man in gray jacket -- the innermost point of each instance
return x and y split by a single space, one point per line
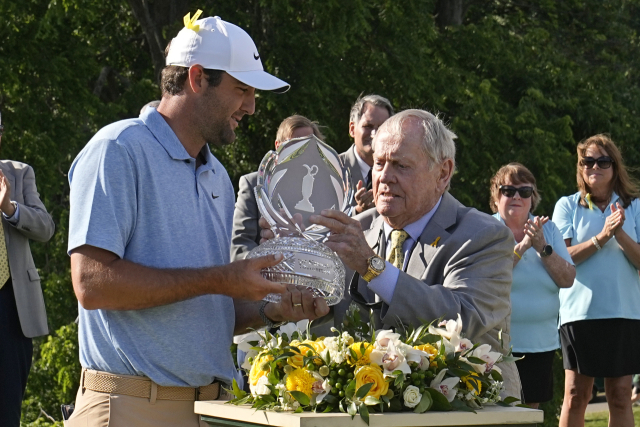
423 254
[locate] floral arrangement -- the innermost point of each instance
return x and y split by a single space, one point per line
360 371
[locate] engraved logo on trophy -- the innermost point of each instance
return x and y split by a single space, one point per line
307 189
307 261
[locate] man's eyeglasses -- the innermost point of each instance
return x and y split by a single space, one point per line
603 162
509 191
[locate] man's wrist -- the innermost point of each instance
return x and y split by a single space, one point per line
272 313
9 209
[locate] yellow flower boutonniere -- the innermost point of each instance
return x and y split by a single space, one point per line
189 22
435 242
588 199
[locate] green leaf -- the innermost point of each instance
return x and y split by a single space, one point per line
330 399
237 392
273 378
268 398
364 413
476 360
302 398
350 390
459 405
496 375
370 400
507 359
440 402
352 409
298 410
425 403
362 391
510 399
329 408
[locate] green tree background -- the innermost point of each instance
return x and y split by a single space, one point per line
516 80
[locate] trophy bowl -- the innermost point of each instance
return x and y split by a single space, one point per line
300 179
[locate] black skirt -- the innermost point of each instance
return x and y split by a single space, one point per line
606 348
536 376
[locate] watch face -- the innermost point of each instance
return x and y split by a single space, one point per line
548 250
377 263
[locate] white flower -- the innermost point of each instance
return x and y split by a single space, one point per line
446 387
452 330
334 350
490 358
246 339
412 396
291 327
385 336
320 388
464 345
260 387
390 359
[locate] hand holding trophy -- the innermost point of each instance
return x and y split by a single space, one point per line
303 177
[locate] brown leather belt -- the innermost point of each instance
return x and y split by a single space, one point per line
127 385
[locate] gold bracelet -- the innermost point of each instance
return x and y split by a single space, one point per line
596 243
517 254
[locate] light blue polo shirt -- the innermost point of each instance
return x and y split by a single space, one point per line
607 285
135 191
534 297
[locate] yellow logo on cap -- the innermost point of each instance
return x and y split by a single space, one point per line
188 21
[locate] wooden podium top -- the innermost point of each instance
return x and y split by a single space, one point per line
219 414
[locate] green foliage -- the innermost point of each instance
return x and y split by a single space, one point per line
518 81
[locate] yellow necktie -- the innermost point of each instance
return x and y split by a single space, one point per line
396 256
4 259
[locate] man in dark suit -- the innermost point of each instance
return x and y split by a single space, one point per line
246 231
22 311
367 115
423 254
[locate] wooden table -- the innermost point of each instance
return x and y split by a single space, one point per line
216 413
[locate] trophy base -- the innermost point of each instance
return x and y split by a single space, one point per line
306 263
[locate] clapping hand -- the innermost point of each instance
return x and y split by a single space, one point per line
5 196
614 221
364 198
533 234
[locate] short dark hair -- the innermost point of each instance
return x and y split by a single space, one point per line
376 100
174 77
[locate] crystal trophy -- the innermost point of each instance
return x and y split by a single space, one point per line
300 179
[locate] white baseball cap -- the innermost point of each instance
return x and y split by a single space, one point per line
218 45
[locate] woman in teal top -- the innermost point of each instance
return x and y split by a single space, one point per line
600 314
542 265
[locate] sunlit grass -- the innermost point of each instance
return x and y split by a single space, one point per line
601 419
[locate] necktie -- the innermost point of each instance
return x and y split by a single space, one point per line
396 256
369 183
4 259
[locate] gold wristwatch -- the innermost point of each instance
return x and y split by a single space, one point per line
375 266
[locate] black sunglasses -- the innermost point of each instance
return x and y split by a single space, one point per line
509 191
603 162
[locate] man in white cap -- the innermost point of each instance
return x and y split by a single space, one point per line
149 235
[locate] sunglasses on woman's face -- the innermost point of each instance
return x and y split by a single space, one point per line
509 191
603 162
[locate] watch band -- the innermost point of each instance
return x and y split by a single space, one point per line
266 320
373 272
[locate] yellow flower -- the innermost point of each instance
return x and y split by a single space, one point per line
363 358
470 380
300 380
297 360
428 348
260 368
372 374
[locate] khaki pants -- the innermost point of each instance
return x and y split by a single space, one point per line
95 409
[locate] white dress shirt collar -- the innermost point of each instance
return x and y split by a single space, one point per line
364 167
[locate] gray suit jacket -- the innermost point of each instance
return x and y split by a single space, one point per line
36 224
245 234
468 272
350 161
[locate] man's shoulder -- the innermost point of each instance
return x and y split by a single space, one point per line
251 178
348 155
14 165
471 222
126 132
